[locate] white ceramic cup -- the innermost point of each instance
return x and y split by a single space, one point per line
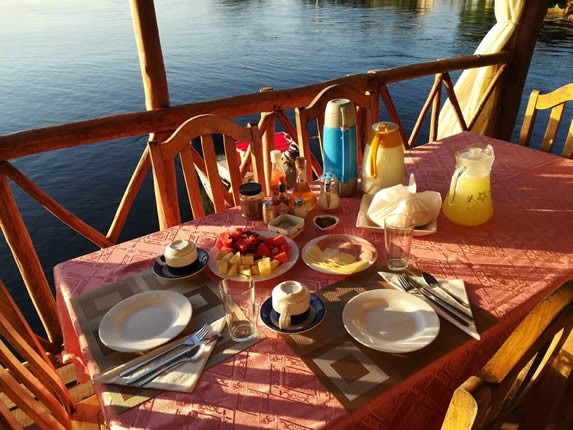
179 253
290 298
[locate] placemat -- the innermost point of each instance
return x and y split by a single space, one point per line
354 373
207 307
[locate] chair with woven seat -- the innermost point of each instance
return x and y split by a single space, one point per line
33 393
556 101
366 104
204 165
528 383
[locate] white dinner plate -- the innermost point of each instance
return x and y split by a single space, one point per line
145 321
390 321
355 245
282 268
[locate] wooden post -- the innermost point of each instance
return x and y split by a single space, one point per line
26 258
268 144
511 86
156 97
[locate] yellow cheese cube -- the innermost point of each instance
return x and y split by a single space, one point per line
245 270
248 259
222 266
233 270
264 266
235 259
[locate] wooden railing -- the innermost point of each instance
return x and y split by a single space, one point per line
270 105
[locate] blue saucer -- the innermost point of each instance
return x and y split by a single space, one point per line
167 272
316 314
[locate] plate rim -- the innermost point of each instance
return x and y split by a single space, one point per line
189 275
329 272
304 330
396 350
177 325
293 258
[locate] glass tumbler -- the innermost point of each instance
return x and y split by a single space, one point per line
398 232
240 310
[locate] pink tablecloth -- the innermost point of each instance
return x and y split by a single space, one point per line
509 263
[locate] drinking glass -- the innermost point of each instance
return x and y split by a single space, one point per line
398 232
239 303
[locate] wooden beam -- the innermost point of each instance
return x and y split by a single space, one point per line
46 139
20 243
513 81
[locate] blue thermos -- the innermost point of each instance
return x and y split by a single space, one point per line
339 144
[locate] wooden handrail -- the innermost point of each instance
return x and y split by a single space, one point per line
46 139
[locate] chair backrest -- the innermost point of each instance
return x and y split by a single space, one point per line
205 166
366 104
556 101
529 379
29 382
36 391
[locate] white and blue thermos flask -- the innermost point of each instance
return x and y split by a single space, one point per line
339 144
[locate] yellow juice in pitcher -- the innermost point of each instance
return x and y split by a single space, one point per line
471 203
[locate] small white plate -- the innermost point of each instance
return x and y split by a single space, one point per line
145 321
363 221
340 241
390 321
282 268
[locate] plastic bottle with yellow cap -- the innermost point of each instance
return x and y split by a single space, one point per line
383 161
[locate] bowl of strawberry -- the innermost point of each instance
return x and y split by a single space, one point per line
241 253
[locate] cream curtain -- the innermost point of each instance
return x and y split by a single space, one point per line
473 83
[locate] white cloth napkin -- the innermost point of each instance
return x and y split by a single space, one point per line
455 286
182 378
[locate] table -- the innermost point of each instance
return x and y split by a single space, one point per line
509 264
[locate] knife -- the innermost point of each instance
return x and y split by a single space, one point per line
167 360
462 318
433 282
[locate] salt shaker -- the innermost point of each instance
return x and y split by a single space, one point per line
328 199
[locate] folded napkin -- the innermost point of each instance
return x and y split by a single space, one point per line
455 286
183 377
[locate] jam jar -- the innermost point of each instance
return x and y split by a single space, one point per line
251 200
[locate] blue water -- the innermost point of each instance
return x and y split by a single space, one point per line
65 60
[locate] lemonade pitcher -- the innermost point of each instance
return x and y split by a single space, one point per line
468 201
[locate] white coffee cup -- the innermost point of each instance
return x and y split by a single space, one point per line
179 253
290 298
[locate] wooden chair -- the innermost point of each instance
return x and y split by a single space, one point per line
205 164
556 101
528 383
33 392
366 114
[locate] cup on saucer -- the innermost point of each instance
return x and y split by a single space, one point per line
178 256
291 300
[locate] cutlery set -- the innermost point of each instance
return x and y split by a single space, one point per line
190 350
453 305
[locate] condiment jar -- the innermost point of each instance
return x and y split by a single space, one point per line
328 199
268 211
251 200
299 208
383 162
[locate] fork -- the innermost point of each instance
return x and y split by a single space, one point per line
408 286
192 354
197 337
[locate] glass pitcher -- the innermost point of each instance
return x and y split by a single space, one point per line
468 201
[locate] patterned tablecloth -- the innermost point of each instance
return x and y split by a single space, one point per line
509 264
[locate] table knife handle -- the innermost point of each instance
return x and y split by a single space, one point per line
133 368
446 306
160 364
